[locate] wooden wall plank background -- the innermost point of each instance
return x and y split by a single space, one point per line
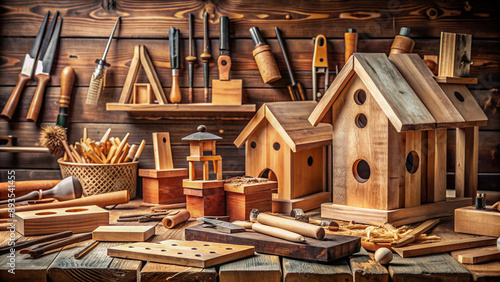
87 25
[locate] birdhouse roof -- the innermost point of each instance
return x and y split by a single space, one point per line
405 90
201 135
289 119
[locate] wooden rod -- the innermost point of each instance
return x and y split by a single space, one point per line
172 220
299 227
37 252
278 232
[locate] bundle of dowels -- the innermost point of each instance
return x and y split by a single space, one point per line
109 150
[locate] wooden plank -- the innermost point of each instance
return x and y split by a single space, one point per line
364 268
416 167
305 203
328 249
457 80
123 233
436 166
161 272
257 268
478 222
467 147
428 268
454 49
149 68
464 102
444 246
198 107
162 151
386 85
477 255
131 78
419 230
299 270
154 173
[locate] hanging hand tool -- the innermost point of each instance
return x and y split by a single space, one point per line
295 89
264 57
97 80
43 66
320 65
173 38
205 56
67 80
26 73
191 58
351 43
402 43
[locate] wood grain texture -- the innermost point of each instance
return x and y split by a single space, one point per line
444 246
299 270
260 267
477 255
123 233
430 268
364 268
479 222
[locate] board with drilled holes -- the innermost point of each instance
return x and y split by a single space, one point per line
187 253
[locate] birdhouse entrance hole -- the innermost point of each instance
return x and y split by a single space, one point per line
360 97
361 121
361 171
269 174
412 162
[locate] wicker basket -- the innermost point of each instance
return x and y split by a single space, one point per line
102 178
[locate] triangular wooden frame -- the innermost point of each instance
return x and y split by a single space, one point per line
141 57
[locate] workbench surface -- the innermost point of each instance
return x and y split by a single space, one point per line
60 265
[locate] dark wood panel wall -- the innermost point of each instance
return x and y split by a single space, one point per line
87 25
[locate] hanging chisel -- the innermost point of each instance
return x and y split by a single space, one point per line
295 89
97 81
320 65
44 65
191 58
67 80
26 73
173 38
205 56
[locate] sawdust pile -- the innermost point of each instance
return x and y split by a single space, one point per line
240 180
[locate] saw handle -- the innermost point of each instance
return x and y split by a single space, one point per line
10 106
36 103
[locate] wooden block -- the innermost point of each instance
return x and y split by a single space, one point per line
162 151
440 267
395 217
299 270
143 94
454 54
203 158
478 222
444 246
204 192
202 184
123 233
364 268
330 248
436 166
477 255
305 203
166 189
211 205
168 272
251 187
75 219
238 205
154 173
192 253
456 80
227 92
257 268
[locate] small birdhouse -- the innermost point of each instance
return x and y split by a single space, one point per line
199 143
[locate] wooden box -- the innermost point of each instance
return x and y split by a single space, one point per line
50 221
478 222
205 202
163 186
123 233
241 199
143 94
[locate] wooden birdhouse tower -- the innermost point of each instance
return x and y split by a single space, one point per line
282 144
390 119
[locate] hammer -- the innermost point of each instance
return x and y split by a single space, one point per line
298 214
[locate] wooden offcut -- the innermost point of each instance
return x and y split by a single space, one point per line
330 248
187 253
143 94
124 233
260 267
163 186
479 222
206 201
444 246
162 151
454 54
227 92
242 198
76 219
477 255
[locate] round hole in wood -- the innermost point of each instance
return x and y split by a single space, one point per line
174 245
148 248
229 249
194 248
76 210
360 97
163 250
164 140
206 245
459 96
45 213
412 162
131 247
213 252
361 171
197 255
180 253
276 146
361 121
253 145
310 161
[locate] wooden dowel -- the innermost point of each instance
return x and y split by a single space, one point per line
75 154
173 220
110 154
123 154
86 250
299 227
105 137
131 153
68 151
169 206
139 151
85 134
120 148
246 224
278 232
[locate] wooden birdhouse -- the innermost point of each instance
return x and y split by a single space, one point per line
390 119
204 197
282 144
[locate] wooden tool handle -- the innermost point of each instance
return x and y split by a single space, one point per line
67 80
245 224
320 52
173 220
44 239
402 44
75 239
302 228
112 198
278 232
10 106
24 187
301 92
351 44
36 103
139 151
224 63
175 92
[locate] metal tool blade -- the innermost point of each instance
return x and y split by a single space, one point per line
45 64
29 60
109 40
285 56
173 37
48 36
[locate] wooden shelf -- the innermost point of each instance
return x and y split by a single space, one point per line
194 107
456 80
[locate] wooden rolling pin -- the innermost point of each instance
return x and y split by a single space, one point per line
302 228
278 232
112 198
25 187
173 220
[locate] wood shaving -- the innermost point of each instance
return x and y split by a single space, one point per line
240 180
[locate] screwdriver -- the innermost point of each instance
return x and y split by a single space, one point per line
97 81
